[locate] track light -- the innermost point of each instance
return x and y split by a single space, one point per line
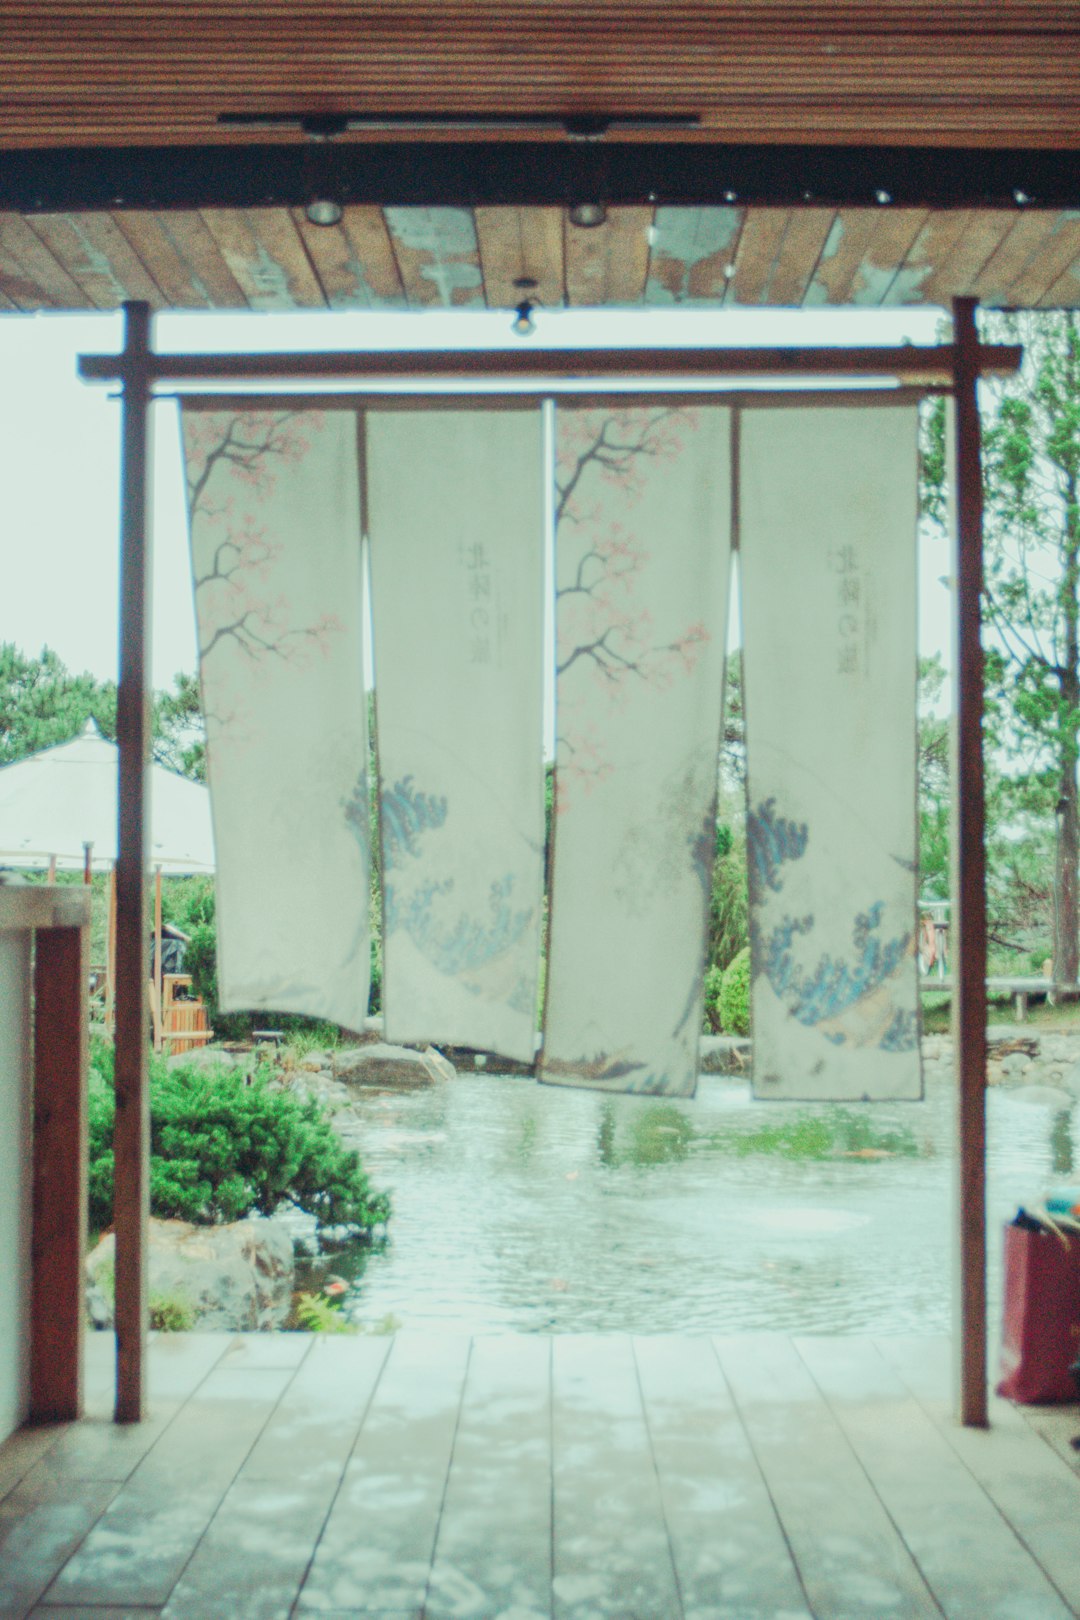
587 214
323 211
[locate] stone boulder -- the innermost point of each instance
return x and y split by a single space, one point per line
391 1068
233 1278
725 1054
203 1059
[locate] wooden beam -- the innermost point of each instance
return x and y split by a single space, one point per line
934 367
131 1207
969 876
57 1283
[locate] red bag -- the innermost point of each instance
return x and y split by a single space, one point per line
1041 1330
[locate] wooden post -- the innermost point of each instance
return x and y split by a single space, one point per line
969 876
58 1243
110 955
131 1207
88 864
158 1009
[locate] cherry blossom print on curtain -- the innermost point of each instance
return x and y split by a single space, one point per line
274 510
455 514
828 567
643 504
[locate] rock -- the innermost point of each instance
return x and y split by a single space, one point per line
380 1065
1071 1080
234 1278
724 1054
1044 1097
1013 1064
203 1058
440 1066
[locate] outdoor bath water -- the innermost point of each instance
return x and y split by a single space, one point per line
522 1208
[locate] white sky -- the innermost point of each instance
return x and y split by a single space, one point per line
59 451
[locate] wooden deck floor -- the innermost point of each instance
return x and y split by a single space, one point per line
520 1477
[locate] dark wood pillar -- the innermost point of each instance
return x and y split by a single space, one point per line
132 1138
969 876
58 1242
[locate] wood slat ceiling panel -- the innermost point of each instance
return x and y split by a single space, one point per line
396 258
521 244
438 257
130 71
608 264
354 261
693 254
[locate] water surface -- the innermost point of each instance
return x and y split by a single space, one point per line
534 1209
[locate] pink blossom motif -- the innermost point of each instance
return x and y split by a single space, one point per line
234 459
606 636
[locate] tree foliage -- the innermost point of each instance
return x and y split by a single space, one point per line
223 1145
1031 477
42 704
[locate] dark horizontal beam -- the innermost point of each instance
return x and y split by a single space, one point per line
909 363
530 172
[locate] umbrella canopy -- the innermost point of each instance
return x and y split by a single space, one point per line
64 797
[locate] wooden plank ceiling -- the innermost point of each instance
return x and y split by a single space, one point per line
88 81
419 258
890 72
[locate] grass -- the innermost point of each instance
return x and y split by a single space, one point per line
1065 1016
837 1134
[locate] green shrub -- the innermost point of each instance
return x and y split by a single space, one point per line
728 904
171 1313
735 995
316 1314
222 1145
714 979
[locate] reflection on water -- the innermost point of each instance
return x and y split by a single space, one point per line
519 1207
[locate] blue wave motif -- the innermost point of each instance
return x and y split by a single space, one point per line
465 944
772 840
822 995
405 815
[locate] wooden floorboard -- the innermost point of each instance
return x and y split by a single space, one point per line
532 1478
612 1554
1036 1491
142 1543
502 1456
975 1565
852 1561
375 1553
731 1558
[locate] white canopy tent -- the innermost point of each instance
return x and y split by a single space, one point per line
59 800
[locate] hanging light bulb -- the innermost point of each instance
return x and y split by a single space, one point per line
523 324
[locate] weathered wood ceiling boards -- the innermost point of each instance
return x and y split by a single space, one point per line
163 150
946 72
417 258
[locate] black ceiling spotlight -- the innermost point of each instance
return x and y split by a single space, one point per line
587 215
323 211
523 324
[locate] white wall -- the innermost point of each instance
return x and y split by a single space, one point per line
15 1138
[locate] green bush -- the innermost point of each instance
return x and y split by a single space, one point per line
222 1145
714 979
735 995
728 905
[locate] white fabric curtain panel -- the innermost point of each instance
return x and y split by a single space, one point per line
455 512
643 495
828 510
274 508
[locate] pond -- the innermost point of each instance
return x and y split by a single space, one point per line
519 1207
